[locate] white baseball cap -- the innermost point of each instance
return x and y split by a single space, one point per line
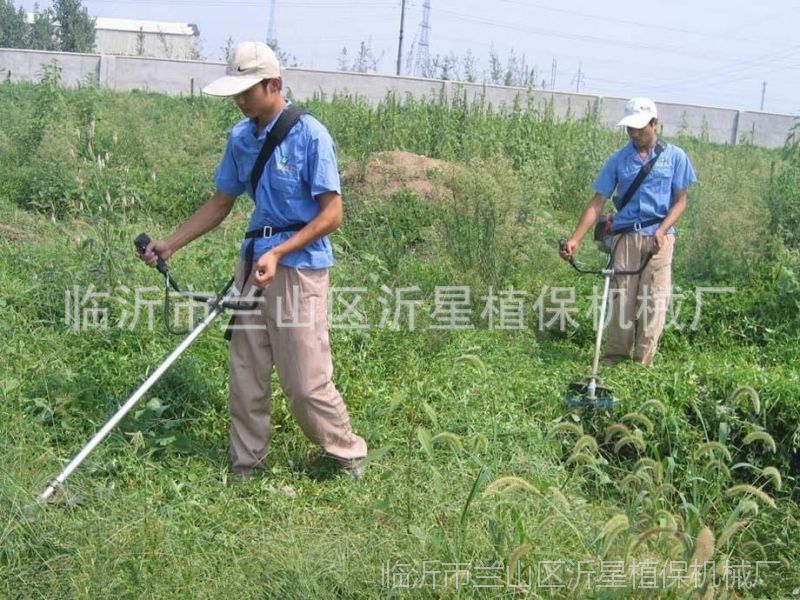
638 113
250 62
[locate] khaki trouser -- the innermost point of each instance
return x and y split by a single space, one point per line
295 340
638 303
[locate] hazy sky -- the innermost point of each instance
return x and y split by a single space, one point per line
712 52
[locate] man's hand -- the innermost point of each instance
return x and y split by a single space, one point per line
266 268
569 248
156 249
659 241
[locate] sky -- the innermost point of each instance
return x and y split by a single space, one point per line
707 52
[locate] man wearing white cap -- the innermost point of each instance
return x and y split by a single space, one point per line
644 223
286 253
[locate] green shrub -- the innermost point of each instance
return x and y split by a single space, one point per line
783 197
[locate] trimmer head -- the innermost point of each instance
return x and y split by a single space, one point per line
590 394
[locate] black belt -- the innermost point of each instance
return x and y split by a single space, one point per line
256 234
637 226
269 230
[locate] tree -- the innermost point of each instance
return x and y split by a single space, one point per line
517 72
42 33
227 49
495 67
76 32
470 65
13 26
343 61
285 59
364 62
445 67
140 42
512 69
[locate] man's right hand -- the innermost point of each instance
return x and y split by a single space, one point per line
156 249
567 249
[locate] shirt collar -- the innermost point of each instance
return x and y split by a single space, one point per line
270 125
635 153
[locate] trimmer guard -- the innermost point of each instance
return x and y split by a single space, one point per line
578 396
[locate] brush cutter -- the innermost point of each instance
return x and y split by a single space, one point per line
217 304
590 393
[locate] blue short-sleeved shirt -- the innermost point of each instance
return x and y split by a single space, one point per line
671 173
301 167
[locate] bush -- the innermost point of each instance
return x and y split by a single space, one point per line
480 231
783 198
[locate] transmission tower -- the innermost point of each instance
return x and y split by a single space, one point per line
423 47
272 37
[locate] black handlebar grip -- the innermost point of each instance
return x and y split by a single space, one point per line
141 242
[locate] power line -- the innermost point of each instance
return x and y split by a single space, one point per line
706 77
617 21
352 38
573 36
228 3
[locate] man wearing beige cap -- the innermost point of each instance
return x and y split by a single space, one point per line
286 253
644 223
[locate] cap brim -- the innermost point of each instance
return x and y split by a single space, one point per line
636 121
231 85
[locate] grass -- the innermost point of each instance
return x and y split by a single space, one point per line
475 461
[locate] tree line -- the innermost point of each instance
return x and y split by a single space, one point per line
63 27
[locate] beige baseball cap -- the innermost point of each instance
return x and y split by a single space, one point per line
638 113
250 62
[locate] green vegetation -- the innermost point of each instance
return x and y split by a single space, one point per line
474 461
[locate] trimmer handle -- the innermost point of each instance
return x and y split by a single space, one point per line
562 245
646 260
141 242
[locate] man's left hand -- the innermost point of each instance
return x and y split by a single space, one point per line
266 268
659 241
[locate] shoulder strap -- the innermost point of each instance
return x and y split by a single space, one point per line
640 176
288 119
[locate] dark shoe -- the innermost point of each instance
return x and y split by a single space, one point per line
354 467
610 361
238 477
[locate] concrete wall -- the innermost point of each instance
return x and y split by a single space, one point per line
764 129
122 73
27 65
160 75
306 83
158 45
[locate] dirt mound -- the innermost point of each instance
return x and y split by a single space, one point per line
386 173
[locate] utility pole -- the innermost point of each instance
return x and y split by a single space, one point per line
553 70
763 93
400 43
